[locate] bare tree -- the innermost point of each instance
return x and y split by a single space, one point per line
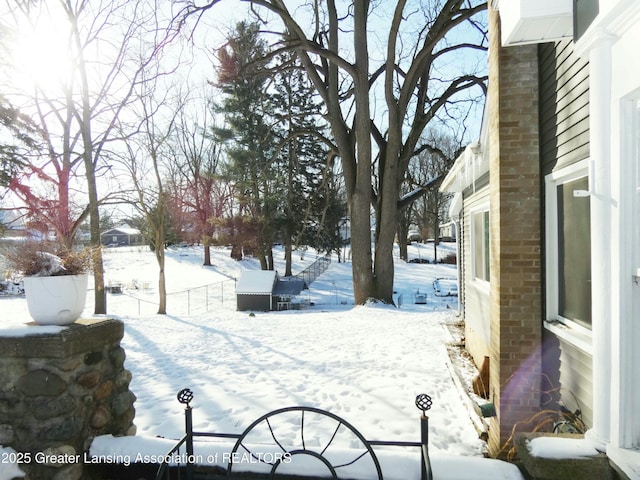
147 155
109 44
352 67
197 182
423 204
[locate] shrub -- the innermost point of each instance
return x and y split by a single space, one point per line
449 259
43 259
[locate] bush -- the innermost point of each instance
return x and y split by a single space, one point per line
43 259
449 259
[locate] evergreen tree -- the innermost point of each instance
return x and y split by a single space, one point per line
243 77
301 158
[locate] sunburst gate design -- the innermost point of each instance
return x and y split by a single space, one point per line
286 439
322 452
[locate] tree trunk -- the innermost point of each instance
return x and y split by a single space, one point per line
288 252
162 286
206 241
386 228
364 286
361 267
270 264
100 300
262 257
403 234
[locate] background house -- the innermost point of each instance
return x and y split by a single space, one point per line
549 210
122 235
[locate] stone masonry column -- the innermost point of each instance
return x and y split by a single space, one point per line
59 389
515 235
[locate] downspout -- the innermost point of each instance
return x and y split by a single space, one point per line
459 263
455 214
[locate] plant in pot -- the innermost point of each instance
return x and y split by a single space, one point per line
55 281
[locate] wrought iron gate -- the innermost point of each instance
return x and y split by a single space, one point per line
279 455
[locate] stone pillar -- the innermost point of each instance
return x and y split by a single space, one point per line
60 390
515 235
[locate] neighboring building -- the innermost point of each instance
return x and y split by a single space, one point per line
254 290
264 290
448 232
548 204
13 224
122 235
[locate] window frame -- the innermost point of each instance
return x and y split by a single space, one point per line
485 278
570 330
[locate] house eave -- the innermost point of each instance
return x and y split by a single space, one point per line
526 22
472 164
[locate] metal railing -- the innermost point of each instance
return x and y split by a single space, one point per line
267 423
192 301
313 271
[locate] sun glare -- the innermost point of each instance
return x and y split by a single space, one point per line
41 54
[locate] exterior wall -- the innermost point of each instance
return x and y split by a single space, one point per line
568 375
516 306
564 106
260 303
119 237
476 294
564 141
611 44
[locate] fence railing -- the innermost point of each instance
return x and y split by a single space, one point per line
274 452
192 301
313 271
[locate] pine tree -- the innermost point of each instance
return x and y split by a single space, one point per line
302 160
243 76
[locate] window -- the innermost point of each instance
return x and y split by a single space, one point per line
480 239
568 246
574 252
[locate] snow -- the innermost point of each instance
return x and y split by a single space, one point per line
365 364
9 468
256 281
558 447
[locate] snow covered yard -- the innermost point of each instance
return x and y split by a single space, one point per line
365 364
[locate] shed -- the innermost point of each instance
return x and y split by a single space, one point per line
254 290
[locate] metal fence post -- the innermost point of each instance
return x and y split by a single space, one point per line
185 396
424 402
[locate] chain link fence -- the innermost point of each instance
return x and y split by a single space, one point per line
193 301
313 271
140 299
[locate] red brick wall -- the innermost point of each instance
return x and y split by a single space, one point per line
516 303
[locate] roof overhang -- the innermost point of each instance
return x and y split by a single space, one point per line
473 162
535 21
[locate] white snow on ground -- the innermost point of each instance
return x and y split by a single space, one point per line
365 364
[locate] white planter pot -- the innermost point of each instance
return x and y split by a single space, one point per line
56 300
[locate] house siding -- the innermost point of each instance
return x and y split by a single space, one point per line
561 361
260 303
476 294
564 106
564 140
